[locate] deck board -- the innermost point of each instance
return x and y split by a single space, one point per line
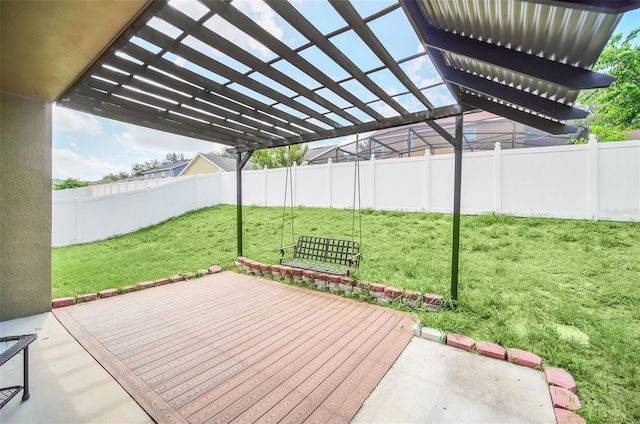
234 348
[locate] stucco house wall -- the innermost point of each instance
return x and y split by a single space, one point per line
25 206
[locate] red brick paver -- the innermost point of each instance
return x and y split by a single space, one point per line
374 287
392 291
107 293
561 378
146 284
564 398
162 281
460 341
432 299
87 297
491 350
62 301
524 358
568 417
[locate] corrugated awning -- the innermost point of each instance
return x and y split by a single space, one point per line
253 75
524 60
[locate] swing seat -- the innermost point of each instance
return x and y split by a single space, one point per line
326 255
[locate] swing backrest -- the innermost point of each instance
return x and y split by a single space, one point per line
328 250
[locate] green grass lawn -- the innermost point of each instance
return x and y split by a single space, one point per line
521 280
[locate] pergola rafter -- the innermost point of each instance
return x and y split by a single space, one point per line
175 71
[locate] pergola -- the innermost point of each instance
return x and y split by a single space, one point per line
217 70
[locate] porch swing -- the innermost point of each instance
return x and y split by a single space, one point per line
323 254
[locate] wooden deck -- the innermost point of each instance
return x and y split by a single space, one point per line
233 348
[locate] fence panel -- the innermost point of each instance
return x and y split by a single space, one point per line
71 193
341 185
477 193
593 181
254 183
106 216
309 185
546 182
207 188
619 181
399 184
171 200
441 183
64 222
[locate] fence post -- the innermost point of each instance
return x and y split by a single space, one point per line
294 184
372 164
264 175
219 174
497 178
78 241
329 177
593 177
195 203
427 181
147 206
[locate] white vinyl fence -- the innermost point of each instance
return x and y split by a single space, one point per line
87 219
598 181
123 187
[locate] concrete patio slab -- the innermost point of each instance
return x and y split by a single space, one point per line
428 383
434 383
67 385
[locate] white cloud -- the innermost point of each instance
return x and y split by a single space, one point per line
263 15
260 13
421 71
150 143
69 164
69 120
385 110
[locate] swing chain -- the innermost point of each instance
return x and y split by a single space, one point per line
288 184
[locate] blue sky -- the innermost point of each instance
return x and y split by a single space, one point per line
88 147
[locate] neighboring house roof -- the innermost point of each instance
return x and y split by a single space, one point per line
167 167
224 164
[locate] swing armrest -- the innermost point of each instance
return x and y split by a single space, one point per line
353 258
293 246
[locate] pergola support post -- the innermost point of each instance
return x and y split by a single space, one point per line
457 185
241 161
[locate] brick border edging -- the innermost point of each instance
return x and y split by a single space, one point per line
430 302
83 298
562 387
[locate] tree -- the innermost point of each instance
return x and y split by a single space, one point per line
615 110
173 157
70 183
222 153
138 168
122 175
278 157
